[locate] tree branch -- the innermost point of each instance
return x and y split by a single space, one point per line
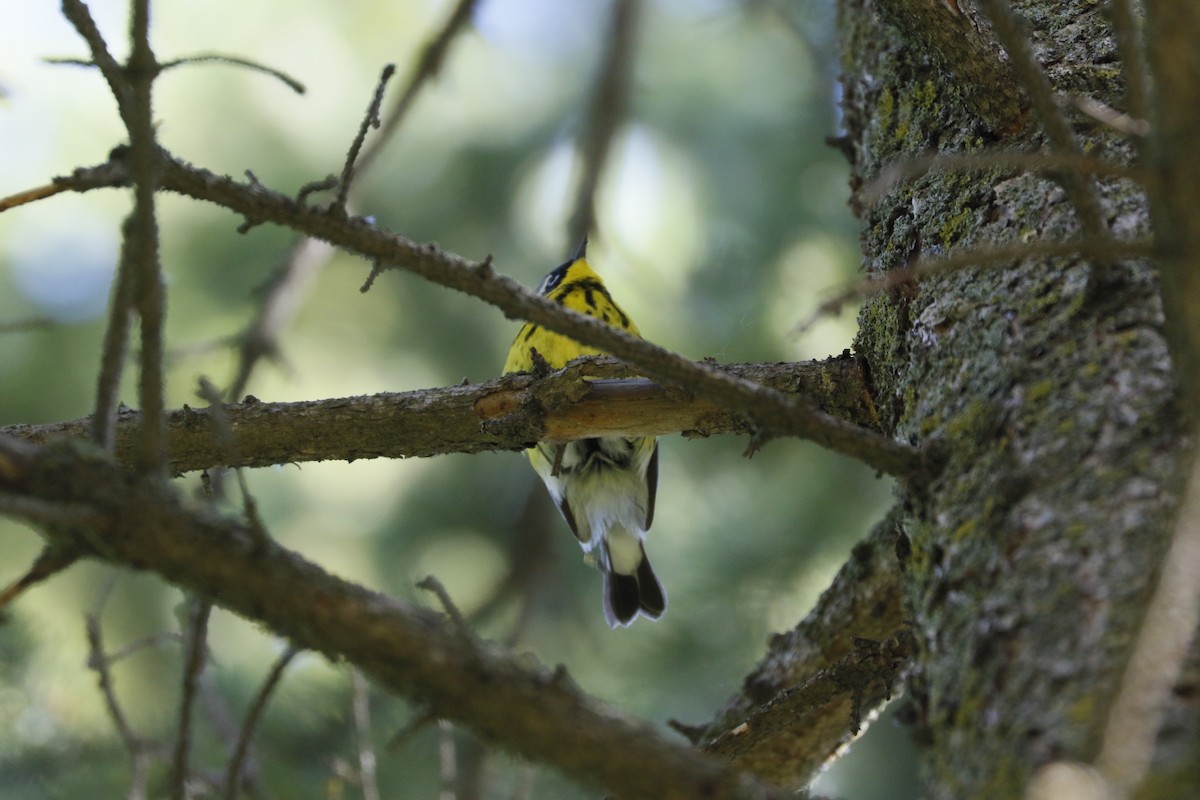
1011 31
505 414
409 650
610 103
775 413
809 694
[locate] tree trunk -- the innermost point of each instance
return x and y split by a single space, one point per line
1047 381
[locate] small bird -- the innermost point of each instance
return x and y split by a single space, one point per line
604 486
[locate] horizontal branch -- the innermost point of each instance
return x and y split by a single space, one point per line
773 413
532 711
510 413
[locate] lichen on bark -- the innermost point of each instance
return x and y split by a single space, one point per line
1049 385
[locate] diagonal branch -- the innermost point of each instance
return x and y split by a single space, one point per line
427 67
77 13
1012 34
409 650
609 105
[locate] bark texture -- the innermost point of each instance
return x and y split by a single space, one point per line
1047 382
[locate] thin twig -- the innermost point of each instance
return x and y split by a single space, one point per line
431 584
289 285
1011 32
523 788
910 168
609 105
141 233
78 15
47 513
362 726
447 760
410 729
99 662
1158 655
194 656
1109 116
237 760
227 442
31 195
529 559
426 68
221 58
369 120
280 301
1001 256
1127 31
138 645
114 349
29 324
51 561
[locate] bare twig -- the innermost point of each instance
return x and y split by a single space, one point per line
1158 655
447 760
1127 31
136 646
141 234
523 787
43 513
361 702
410 729
426 68
224 434
909 168
1002 256
113 352
50 561
1107 115
309 255
280 300
31 195
529 559
237 760
370 120
194 656
78 15
28 324
1174 188
1010 30
222 58
775 412
97 661
801 698
431 584
609 105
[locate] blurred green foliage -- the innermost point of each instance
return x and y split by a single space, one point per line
722 221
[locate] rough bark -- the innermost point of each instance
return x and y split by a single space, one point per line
1048 382
510 413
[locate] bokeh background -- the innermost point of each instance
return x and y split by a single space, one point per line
722 223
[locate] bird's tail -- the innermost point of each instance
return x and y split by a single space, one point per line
630 588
